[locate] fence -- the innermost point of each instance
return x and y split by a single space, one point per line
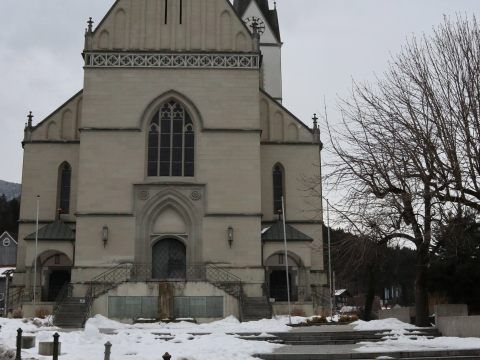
56 348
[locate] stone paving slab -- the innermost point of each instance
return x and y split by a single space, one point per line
321 352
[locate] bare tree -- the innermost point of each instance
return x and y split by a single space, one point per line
409 146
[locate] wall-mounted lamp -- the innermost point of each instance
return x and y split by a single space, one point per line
230 236
105 235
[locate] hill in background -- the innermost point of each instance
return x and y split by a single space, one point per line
10 190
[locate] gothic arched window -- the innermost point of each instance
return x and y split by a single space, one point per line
64 187
171 142
278 188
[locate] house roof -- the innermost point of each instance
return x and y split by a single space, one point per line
7 234
56 230
270 15
275 233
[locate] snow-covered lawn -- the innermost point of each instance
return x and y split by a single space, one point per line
148 341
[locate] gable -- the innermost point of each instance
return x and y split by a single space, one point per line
269 36
6 240
172 25
280 125
63 123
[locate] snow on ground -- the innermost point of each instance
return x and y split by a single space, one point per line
385 324
147 341
397 339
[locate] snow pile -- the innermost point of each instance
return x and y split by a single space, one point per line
385 324
182 340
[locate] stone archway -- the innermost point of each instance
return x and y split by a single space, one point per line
168 214
276 276
53 273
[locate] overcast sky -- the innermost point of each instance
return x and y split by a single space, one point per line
327 43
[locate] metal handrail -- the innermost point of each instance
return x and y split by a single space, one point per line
128 272
65 292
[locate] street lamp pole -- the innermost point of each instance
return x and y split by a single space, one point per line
36 254
329 259
286 262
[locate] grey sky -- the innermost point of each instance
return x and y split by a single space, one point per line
327 43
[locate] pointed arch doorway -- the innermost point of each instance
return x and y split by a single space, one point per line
169 259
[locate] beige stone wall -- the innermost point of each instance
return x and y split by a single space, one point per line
63 123
279 125
207 25
300 163
41 162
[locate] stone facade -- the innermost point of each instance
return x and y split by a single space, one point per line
200 56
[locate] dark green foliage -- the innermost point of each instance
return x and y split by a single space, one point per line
365 267
455 265
9 214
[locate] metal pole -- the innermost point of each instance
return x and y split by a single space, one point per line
7 295
36 255
286 261
56 347
329 259
19 345
108 350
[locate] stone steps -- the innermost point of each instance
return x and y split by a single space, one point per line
346 337
71 313
256 308
408 355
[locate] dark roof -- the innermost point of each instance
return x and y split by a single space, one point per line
56 230
270 15
275 233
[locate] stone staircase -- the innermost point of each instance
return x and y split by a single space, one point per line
406 355
342 345
70 313
345 337
256 308
74 311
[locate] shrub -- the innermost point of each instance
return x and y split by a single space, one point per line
317 320
17 313
347 319
42 313
298 312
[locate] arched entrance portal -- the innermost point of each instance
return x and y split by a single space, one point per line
169 260
53 273
277 276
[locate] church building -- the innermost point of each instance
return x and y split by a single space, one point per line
160 183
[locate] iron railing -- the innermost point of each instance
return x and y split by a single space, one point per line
134 272
65 293
15 298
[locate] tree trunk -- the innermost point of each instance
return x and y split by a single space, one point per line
421 292
367 315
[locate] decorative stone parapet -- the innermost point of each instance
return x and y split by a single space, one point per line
172 61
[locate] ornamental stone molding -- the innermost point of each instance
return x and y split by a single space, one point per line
195 195
172 61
